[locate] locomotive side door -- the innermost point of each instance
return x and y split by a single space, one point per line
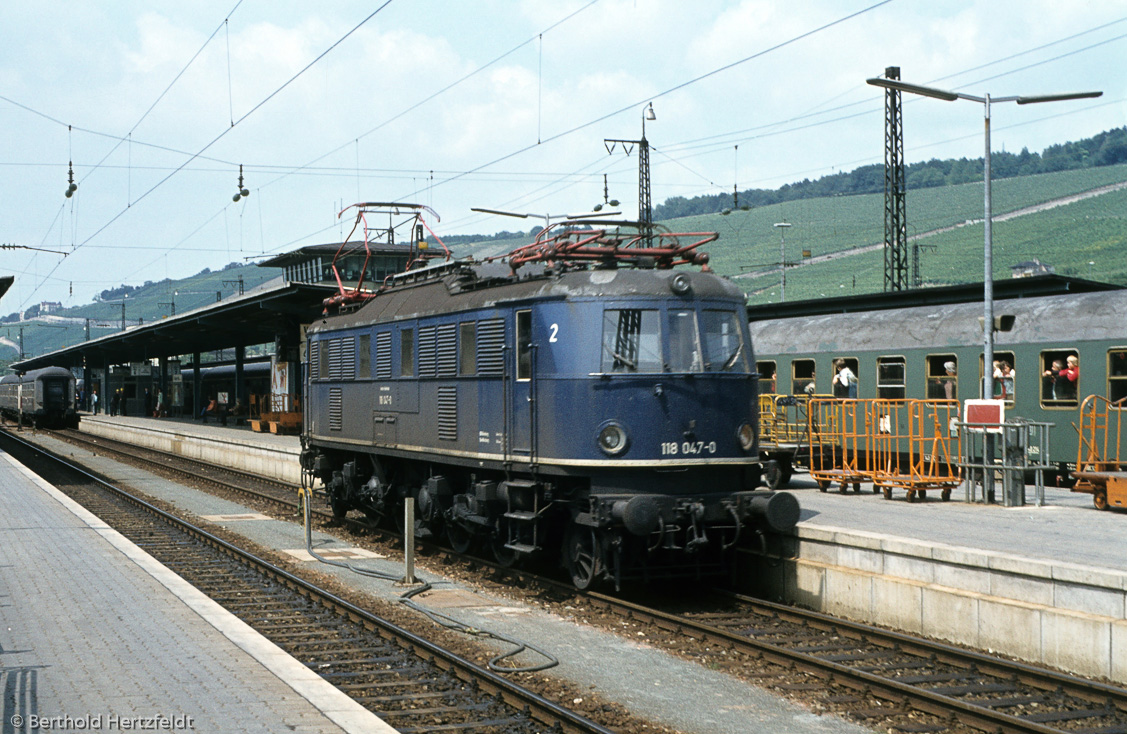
522 392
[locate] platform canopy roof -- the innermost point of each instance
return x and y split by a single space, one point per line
261 315
1034 286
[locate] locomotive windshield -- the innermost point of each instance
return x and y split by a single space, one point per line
709 341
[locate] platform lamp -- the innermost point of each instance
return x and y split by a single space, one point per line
988 249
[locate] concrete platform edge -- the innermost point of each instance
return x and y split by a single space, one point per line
336 705
237 450
1050 613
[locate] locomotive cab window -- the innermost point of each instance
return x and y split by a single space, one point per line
942 377
467 348
323 359
1060 378
406 352
802 377
890 378
364 357
768 376
1117 377
684 342
631 341
524 345
724 349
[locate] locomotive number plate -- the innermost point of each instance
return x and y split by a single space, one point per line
688 448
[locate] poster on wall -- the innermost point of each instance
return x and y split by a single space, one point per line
279 387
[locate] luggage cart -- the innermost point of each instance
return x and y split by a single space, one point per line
1099 468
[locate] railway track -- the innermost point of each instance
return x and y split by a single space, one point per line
908 674
910 677
413 684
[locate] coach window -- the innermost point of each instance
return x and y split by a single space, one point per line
467 346
1117 377
631 340
1005 377
942 377
802 377
767 376
1060 378
524 345
406 352
890 378
845 387
364 358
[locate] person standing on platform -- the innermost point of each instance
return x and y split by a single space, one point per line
114 402
94 402
148 403
159 412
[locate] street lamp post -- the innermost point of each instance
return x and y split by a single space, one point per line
988 247
782 227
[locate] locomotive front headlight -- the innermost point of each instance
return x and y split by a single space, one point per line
746 436
612 438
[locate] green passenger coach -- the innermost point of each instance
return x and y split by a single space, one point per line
1065 339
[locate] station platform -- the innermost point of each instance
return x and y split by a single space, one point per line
95 635
1043 584
237 447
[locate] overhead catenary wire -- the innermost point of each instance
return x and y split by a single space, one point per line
226 131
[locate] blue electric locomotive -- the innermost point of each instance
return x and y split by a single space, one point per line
44 397
579 397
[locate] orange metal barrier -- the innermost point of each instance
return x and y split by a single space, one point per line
906 444
783 419
1100 468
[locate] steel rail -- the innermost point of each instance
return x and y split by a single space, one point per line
888 688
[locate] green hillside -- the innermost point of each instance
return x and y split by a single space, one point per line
1066 237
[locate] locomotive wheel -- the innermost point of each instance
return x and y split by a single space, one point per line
461 540
1099 499
582 557
772 474
340 506
506 557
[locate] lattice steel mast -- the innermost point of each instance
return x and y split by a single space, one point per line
895 195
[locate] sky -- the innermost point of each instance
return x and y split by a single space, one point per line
501 104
